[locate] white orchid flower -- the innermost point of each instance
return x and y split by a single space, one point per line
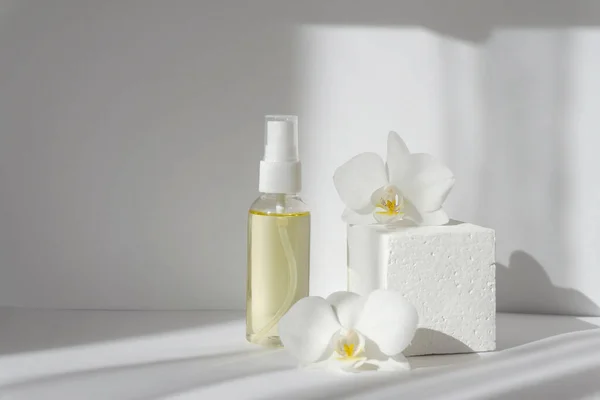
412 187
349 332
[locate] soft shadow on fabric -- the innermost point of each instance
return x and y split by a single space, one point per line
182 374
438 343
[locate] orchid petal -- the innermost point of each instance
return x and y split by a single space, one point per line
388 364
434 218
307 328
411 213
425 181
388 320
348 306
386 218
379 361
357 179
397 157
353 218
336 364
350 365
372 351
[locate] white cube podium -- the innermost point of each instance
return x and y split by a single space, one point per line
447 272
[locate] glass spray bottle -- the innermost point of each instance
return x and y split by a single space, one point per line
278 234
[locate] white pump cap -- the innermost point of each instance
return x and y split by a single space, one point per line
280 167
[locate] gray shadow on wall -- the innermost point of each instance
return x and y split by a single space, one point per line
468 20
524 286
131 136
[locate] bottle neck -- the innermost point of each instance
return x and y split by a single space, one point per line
280 177
279 203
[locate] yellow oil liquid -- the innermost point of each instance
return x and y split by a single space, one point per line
278 271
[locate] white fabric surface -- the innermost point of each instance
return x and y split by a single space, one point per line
203 355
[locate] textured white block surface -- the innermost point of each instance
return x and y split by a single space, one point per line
446 272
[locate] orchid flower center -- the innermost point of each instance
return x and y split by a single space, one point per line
389 203
349 345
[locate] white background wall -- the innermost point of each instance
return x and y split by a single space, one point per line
130 134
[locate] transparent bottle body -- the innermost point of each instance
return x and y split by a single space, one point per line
278 263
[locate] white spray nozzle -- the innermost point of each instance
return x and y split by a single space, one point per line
281 138
280 167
